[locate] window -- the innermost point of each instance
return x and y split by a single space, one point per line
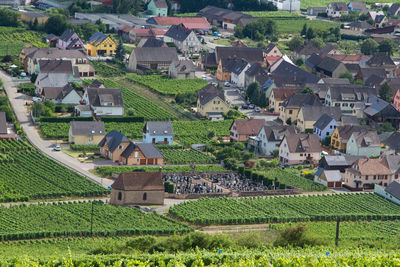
119 147
105 45
145 196
110 45
290 111
119 196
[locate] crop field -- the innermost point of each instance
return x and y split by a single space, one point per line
142 107
73 219
12 40
361 206
185 156
106 171
291 177
26 173
107 70
166 86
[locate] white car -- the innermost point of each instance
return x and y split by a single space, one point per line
36 99
204 77
57 148
226 84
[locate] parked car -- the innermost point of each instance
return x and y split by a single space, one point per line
227 84
245 106
257 109
36 99
57 148
251 106
204 77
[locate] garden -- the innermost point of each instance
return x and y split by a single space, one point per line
26 173
350 207
162 84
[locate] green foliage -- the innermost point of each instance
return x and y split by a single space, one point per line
84 147
185 156
386 93
296 236
186 99
299 61
387 127
56 24
259 29
107 70
166 86
295 42
360 206
388 46
12 40
317 42
289 121
347 75
9 18
307 90
327 141
369 47
37 175
255 96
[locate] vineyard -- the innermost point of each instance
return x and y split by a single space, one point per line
291 177
107 70
186 132
184 156
142 107
26 173
73 219
12 40
360 206
166 86
106 171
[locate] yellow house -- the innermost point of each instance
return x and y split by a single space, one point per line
211 103
101 45
86 132
341 135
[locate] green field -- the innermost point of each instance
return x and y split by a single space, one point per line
107 69
12 40
26 173
166 86
185 156
361 206
73 219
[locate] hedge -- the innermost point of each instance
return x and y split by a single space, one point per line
122 119
65 119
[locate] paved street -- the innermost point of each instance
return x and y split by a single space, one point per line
17 101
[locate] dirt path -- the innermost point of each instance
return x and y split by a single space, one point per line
218 229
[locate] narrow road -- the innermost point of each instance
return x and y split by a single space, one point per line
17 101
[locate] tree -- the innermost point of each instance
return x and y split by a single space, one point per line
289 121
387 127
56 24
299 61
387 45
88 29
120 51
7 58
307 90
385 92
304 30
310 34
369 47
346 75
327 141
317 42
9 18
35 25
295 42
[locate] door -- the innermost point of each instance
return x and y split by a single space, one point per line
338 184
166 141
153 66
142 161
150 161
153 141
331 184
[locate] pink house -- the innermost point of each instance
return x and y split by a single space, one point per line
69 40
396 100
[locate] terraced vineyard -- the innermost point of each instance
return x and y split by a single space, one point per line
360 206
185 156
12 40
26 173
166 86
73 219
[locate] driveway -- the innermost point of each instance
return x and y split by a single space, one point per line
17 102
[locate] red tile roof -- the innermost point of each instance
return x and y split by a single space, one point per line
271 59
189 22
157 31
106 2
354 58
143 32
125 28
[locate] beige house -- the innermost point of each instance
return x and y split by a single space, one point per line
289 109
242 129
309 115
151 58
278 96
182 69
86 132
138 188
211 103
300 148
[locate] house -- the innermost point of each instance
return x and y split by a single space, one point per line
380 21
238 72
329 178
314 11
215 15
230 20
276 63
113 144
250 54
104 101
270 137
182 69
56 66
341 136
138 34
305 51
32 57
158 132
394 9
299 148
82 111
272 51
378 111
285 5
289 75
3 123
152 58
324 126
396 99
346 96
225 68
211 102
383 60
391 192
184 39
158 8
238 43
365 173
241 129
278 96
141 154
289 110
191 23
124 33
100 44
357 6
308 116
365 74
30 17
207 61
69 40
55 82
86 132
330 49
138 188
364 144
62 95
393 142
337 9
330 67
151 42
51 39
337 162
312 62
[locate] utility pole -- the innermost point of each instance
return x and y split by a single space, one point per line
91 222
337 231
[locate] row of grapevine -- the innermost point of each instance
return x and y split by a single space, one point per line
185 156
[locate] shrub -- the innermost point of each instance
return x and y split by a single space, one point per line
297 236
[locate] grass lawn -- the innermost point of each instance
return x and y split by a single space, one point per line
295 26
226 42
